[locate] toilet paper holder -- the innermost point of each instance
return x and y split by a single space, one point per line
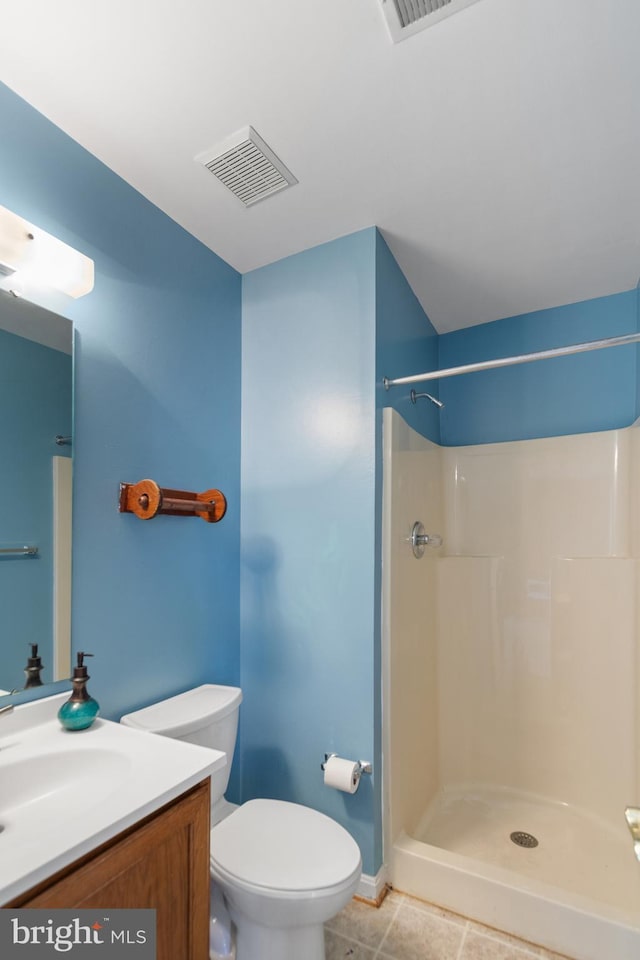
364 766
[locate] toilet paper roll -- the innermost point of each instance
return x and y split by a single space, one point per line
342 774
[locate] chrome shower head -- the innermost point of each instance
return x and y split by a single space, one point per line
417 396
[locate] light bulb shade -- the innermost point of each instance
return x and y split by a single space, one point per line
33 256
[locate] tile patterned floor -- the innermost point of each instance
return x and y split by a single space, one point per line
407 929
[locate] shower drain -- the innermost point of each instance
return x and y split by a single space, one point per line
523 839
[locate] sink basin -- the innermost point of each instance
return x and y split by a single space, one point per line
64 793
47 778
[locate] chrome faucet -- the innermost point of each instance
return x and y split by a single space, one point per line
632 815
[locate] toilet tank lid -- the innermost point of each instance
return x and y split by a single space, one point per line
186 712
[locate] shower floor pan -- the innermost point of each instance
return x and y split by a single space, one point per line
577 891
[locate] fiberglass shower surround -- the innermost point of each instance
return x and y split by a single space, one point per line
512 652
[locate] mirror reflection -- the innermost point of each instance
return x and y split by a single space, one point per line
35 494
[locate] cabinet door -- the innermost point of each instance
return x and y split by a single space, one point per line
162 864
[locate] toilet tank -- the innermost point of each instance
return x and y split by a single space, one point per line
206 715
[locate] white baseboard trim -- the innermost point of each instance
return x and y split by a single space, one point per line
371 888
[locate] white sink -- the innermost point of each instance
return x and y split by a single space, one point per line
29 786
63 793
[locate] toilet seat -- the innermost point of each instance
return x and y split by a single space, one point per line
282 847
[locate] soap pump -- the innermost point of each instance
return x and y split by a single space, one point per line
33 668
80 710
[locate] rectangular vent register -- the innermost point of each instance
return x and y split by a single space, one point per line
247 167
406 17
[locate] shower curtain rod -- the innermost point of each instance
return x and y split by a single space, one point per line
512 361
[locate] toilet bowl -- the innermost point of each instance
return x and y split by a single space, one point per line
284 868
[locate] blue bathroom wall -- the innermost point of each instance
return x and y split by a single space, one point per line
406 344
35 406
157 394
577 394
308 543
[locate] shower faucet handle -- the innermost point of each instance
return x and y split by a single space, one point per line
419 539
632 815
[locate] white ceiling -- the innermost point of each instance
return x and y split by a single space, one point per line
498 151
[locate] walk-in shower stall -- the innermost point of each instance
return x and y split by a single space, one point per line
512 682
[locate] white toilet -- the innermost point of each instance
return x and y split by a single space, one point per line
284 869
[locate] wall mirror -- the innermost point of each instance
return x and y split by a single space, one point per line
36 368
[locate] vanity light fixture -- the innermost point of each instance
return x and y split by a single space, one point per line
30 256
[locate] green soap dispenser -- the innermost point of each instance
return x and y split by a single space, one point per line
80 710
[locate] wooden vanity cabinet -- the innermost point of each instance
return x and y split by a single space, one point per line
162 862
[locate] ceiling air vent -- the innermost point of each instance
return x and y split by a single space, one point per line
247 166
406 17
